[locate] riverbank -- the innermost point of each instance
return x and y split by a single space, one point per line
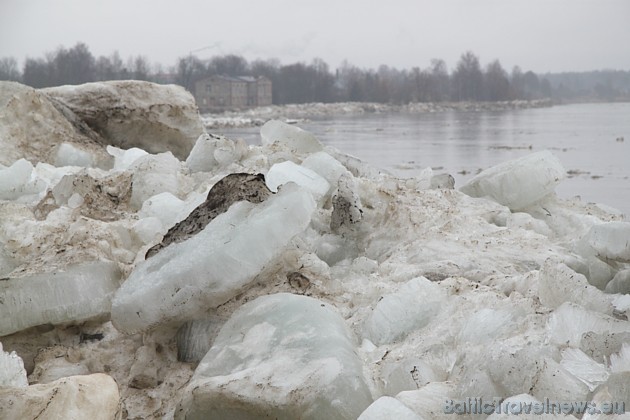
299 112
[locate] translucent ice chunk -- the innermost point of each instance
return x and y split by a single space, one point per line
611 240
429 400
195 338
211 151
12 373
555 382
80 293
584 368
486 325
15 181
165 206
280 356
185 279
559 284
388 408
569 322
518 183
620 283
411 307
123 159
293 137
620 362
325 165
287 171
154 174
69 155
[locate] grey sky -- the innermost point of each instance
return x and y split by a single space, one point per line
541 35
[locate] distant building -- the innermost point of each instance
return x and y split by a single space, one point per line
217 93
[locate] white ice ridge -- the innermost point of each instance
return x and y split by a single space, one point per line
520 182
185 279
80 293
280 356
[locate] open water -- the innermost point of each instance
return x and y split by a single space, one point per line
591 140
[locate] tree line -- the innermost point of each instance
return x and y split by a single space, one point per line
315 81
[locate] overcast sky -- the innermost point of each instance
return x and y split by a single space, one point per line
539 35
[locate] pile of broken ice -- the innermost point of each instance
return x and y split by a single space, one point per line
346 294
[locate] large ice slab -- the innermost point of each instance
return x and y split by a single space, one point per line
518 183
185 279
411 307
280 356
33 126
130 113
80 293
296 139
611 240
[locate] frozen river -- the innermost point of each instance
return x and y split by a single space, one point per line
584 137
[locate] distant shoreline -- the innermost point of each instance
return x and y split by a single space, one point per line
299 112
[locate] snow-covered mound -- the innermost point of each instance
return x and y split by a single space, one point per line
36 127
347 293
131 113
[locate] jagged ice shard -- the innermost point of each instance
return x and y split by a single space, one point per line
185 279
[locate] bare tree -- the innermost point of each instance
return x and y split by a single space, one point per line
496 83
231 65
9 69
468 79
189 70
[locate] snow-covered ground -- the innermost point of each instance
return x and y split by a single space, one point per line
348 293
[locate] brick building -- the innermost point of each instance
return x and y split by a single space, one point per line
216 93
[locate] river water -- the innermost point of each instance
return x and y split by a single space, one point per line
585 137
